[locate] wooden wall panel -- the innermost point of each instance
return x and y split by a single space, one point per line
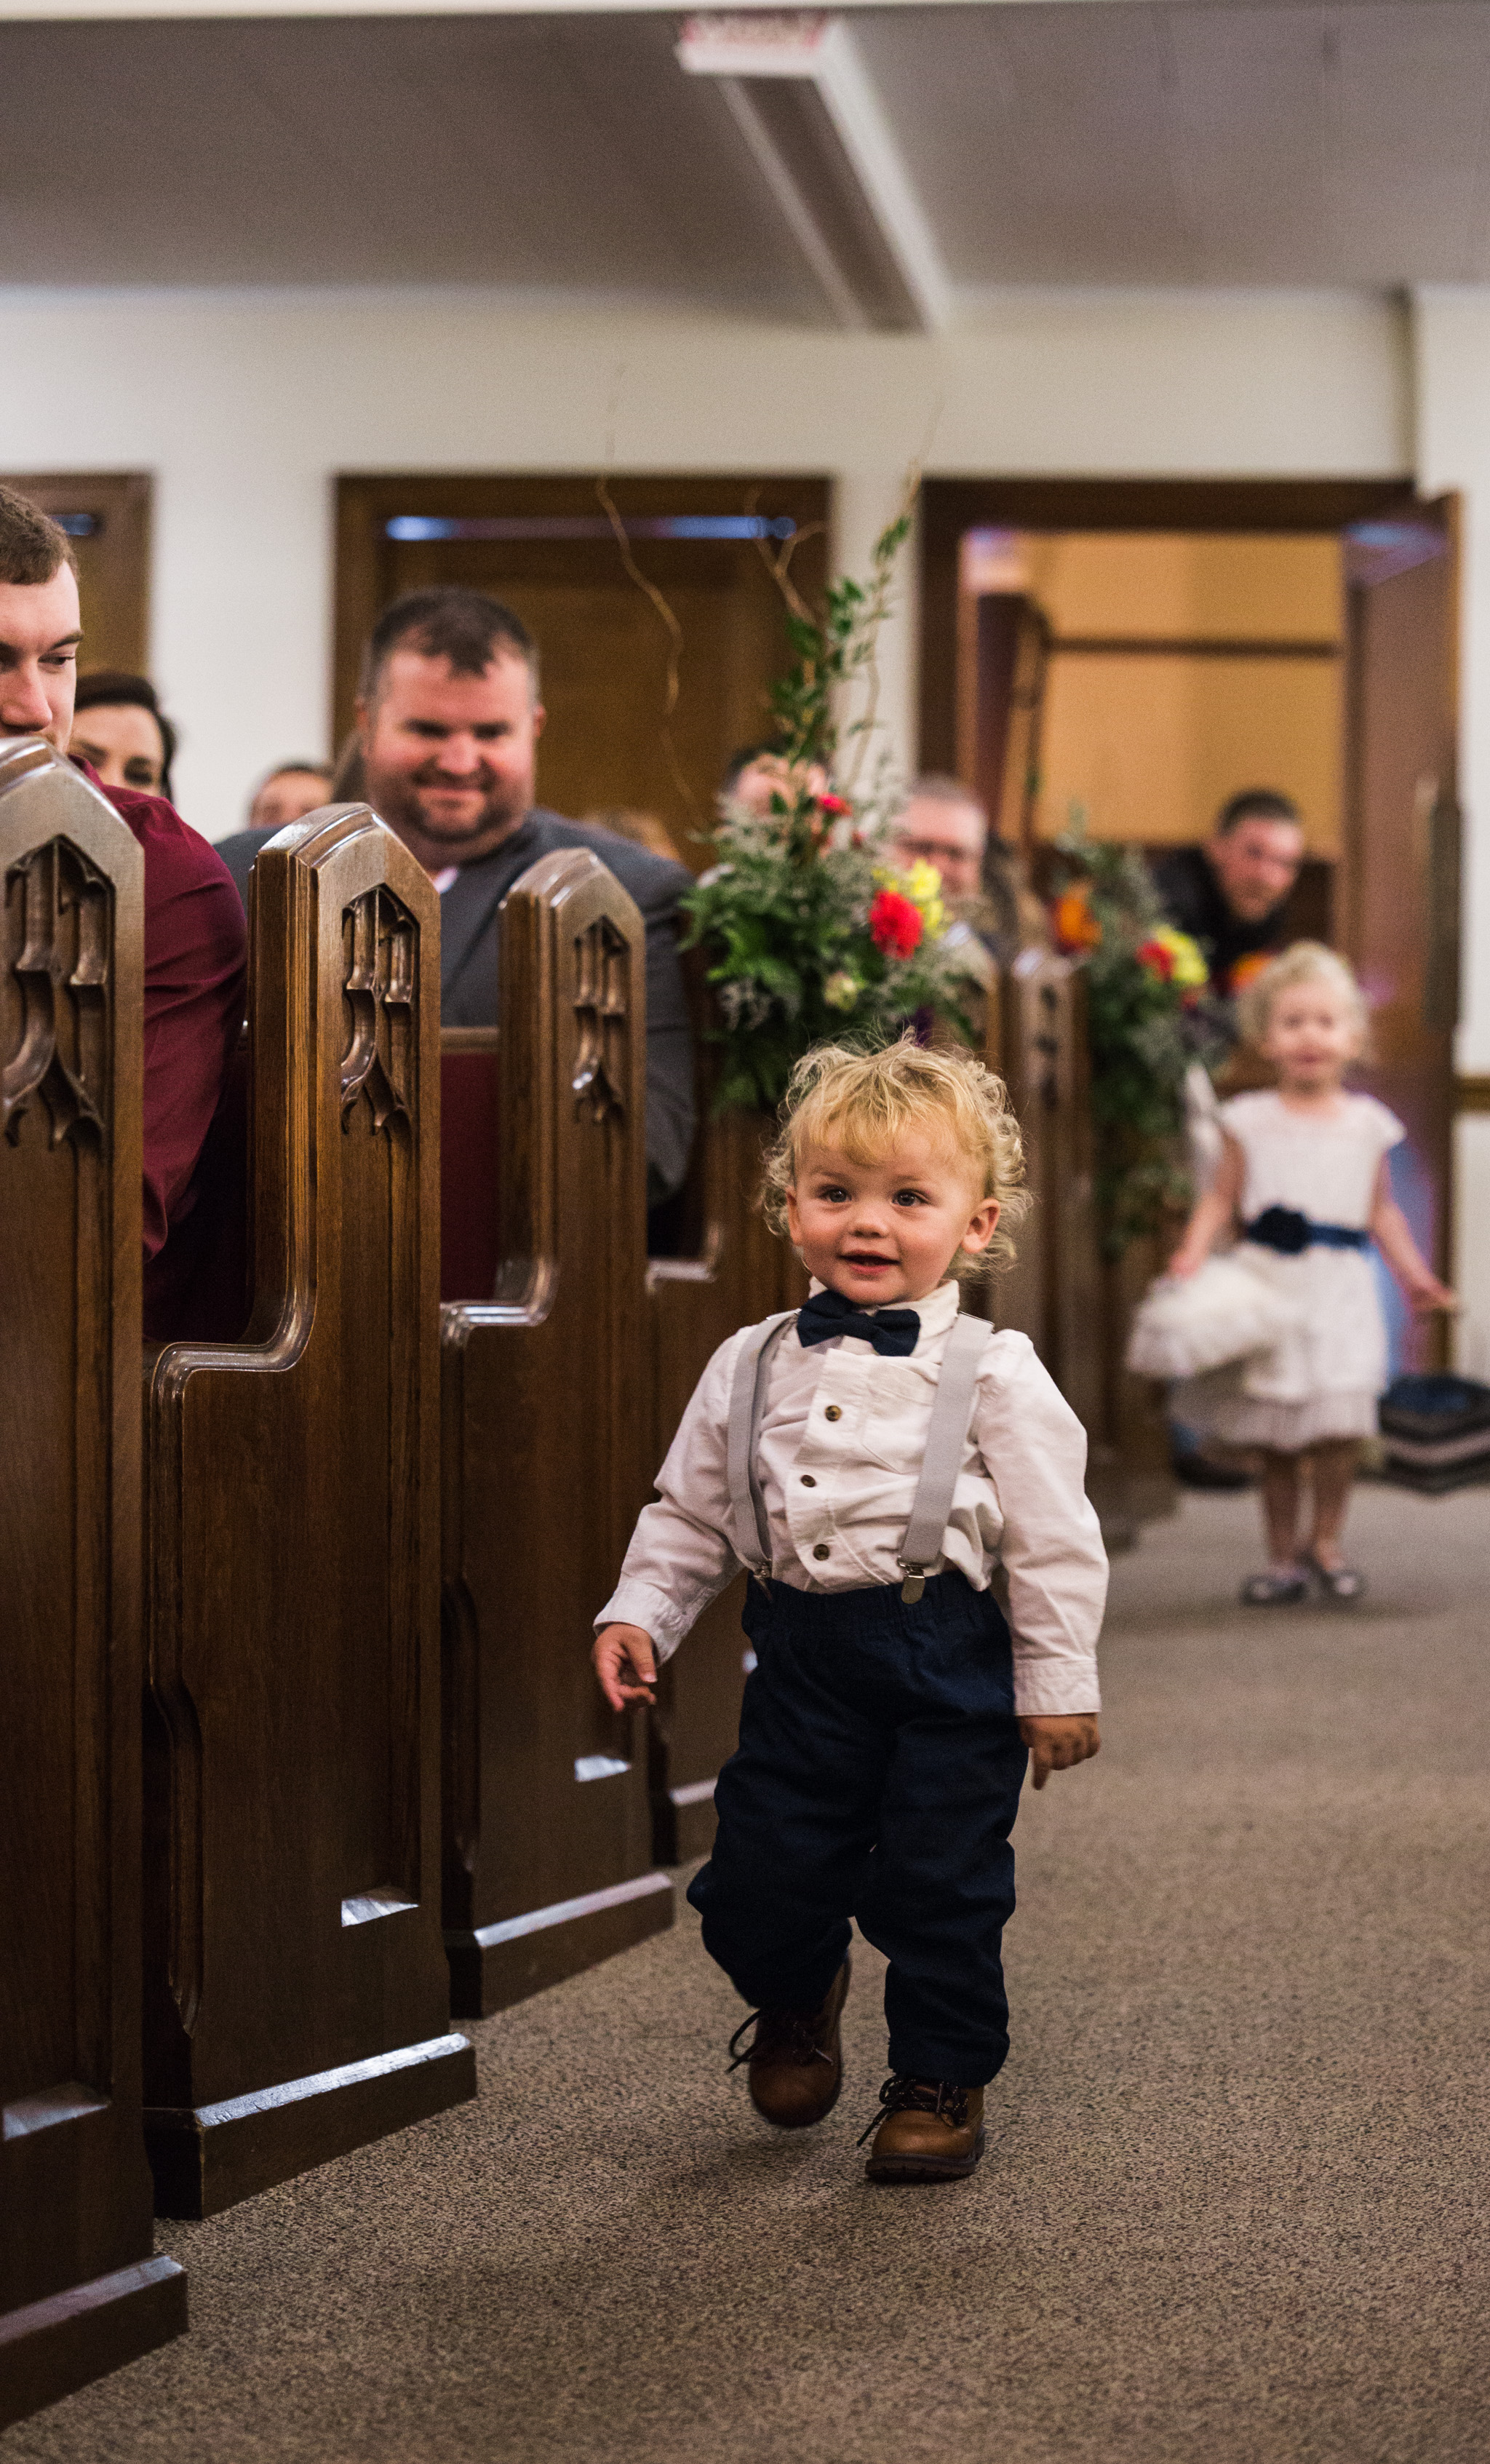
297 2003
108 514
80 2290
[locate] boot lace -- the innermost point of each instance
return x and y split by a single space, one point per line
903 2093
780 2036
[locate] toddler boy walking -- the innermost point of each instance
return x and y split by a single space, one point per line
871 1459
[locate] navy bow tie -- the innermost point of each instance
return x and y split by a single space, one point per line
892 1332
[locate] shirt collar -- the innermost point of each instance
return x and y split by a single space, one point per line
936 1311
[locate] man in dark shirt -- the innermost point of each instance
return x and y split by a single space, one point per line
449 718
193 922
1233 893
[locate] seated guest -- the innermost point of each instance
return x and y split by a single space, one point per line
1231 895
983 878
193 924
289 792
449 718
758 772
119 729
647 829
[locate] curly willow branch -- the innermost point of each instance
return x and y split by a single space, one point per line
878 609
674 631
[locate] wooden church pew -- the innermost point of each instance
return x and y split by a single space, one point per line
546 1438
732 1271
297 1996
80 2290
1074 1304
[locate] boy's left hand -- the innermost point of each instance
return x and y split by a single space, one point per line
1055 1743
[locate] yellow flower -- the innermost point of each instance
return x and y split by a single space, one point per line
842 990
922 885
1188 967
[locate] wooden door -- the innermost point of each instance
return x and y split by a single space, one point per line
609 651
107 514
1397 910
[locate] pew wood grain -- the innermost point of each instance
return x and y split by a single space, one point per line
737 1272
79 2289
546 1423
296 1999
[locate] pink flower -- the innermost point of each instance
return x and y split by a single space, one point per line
834 805
895 924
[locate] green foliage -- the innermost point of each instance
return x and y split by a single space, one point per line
1144 1030
793 959
784 910
834 653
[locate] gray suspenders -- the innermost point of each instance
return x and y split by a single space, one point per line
747 1401
945 1441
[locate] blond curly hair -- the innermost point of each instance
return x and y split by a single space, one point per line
1302 962
864 1101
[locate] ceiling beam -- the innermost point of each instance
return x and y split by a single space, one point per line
798 90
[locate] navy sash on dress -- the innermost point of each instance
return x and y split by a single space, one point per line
1284 1229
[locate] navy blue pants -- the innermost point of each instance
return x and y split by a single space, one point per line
878 1776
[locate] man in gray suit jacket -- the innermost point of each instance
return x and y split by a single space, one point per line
448 720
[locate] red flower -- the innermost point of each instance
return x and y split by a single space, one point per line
1159 961
895 924
835 805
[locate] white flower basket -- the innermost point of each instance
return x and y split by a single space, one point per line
1225 1312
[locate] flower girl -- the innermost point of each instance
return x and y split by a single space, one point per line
1304 1172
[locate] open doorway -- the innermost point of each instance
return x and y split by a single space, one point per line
1145 648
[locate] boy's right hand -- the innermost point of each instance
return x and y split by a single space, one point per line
626 1664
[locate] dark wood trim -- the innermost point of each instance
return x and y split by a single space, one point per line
365 499
1472 1094
470 1039
1139 646
950 507
113 561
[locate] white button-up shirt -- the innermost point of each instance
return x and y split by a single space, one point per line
841 1439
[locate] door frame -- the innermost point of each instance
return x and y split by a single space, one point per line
950 507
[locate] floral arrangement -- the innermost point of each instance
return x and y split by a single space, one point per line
811 932
1149 1017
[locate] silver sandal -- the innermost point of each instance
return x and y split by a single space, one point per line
1337 1582
1272 1591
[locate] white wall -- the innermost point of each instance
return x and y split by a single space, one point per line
1451 341
245 406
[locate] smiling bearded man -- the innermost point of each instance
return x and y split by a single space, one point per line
449 718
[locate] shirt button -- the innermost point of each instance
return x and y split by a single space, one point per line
807 1481
834 1412
822 1550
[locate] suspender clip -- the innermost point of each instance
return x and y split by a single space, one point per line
914 1584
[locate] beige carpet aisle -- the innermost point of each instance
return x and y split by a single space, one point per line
1234 2210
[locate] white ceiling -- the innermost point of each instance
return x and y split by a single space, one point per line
1072 141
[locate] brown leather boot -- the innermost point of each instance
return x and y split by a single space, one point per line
932 2131
796 2063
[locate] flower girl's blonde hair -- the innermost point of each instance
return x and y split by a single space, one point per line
864 1101
1305 963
